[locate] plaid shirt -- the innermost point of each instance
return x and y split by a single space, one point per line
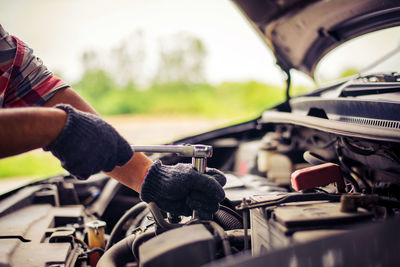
24 80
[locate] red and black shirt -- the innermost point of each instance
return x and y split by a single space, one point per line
24 80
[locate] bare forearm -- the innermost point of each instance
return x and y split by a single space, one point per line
133 172
69 96
24 129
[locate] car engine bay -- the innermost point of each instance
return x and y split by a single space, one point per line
314 181
300 192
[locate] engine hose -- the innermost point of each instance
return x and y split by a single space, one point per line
119 254
139 241
313 158
159 218
132 212
228 218
346 171
224 237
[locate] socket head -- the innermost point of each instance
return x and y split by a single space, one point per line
202 151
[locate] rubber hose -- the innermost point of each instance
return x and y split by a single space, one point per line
132 212
139 241
159 219
313 158
224 237
227 219
119 254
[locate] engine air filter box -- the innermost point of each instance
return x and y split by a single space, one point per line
191 245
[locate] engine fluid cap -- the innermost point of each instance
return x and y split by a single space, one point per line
316 176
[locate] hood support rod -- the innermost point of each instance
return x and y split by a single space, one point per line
288 84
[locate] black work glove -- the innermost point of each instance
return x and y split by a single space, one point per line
179 189
87 144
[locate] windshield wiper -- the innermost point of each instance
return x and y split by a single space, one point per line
369 89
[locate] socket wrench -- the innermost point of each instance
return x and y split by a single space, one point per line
199 154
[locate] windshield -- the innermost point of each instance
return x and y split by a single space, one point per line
376 52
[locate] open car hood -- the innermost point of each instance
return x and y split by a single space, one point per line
301 32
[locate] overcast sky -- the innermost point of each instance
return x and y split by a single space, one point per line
61 30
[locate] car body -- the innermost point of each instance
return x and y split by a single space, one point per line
348 132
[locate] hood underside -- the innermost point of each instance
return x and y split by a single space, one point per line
301 32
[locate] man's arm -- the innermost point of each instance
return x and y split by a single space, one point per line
24 129
86 144
133 172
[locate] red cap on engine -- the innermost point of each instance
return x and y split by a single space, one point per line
316 176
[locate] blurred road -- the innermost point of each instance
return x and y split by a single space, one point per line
144 130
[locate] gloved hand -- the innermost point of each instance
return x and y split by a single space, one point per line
179 189
87 144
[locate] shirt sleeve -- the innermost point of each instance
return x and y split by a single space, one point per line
24 80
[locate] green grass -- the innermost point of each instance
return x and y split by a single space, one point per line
225 100
37 164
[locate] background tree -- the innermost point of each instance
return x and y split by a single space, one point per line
181 59
127 60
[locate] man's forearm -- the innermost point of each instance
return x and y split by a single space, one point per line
69 96
24 129
133 172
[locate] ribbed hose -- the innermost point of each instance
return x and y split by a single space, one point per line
228 218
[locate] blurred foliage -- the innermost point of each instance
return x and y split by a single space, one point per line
182 58
349 72
345 73
37 164
178 86
228 99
